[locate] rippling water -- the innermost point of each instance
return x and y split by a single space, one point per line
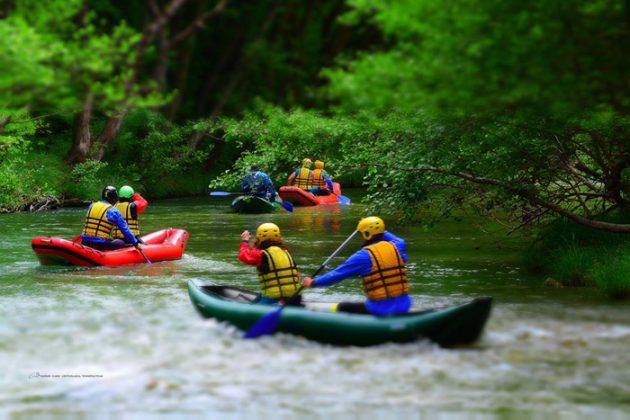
127 340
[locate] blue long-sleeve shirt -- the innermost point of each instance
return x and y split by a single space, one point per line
258 182
116 217
360 264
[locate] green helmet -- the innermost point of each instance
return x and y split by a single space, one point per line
125 191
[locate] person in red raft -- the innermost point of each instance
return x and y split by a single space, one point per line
101 219
130 204
277 272
381 265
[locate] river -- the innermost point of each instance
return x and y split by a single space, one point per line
126 340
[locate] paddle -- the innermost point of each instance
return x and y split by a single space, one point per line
269 322
142 253
223 193
343 199
287 206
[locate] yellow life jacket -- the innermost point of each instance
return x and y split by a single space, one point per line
318 179
96 223
303 179
125 209
388 277
282 279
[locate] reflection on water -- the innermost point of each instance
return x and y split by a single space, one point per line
76 341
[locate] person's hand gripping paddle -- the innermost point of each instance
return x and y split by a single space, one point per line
269 322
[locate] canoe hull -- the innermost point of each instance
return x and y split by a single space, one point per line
163 245
300 197
253 205
449 327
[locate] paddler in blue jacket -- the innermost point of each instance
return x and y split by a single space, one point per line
258 183
101 219
381 265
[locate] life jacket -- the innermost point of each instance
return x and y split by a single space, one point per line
388 277
96 223
318 179
125 209
282 279
303 179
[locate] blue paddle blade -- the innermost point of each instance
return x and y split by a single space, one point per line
287 206
220 193
265 325
343 199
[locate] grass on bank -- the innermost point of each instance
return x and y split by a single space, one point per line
573 255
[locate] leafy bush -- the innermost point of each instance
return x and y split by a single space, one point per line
613 275
87 179
577 256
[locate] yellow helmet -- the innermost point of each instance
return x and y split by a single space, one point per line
370 226
268 231
319 164
306 163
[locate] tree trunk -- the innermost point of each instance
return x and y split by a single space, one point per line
181 77
219 69
237 76
82 138
107 136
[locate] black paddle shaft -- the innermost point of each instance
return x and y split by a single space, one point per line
293 298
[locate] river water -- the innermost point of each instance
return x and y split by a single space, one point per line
126 340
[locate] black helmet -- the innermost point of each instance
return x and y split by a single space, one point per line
110 194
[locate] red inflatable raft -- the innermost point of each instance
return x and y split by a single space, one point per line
299 197
166 244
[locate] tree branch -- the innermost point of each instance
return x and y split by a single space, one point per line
197 24
534 199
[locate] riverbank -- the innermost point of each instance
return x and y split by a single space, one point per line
571 255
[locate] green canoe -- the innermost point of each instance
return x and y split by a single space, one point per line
450 326
253 205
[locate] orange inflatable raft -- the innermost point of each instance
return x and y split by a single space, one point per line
299 197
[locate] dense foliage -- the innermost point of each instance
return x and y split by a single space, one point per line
511 107
528 102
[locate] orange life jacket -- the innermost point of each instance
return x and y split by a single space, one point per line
318 178
388 277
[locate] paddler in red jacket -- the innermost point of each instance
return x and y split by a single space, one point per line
277 272
130 204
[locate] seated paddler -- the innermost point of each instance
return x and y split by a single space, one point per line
277 271
130 204
381 265
322 183
101 219
303 176
258 183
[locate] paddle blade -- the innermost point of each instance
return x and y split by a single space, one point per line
343 199
287 206
219 193
265 325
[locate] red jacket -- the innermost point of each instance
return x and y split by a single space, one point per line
250 256
140 202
